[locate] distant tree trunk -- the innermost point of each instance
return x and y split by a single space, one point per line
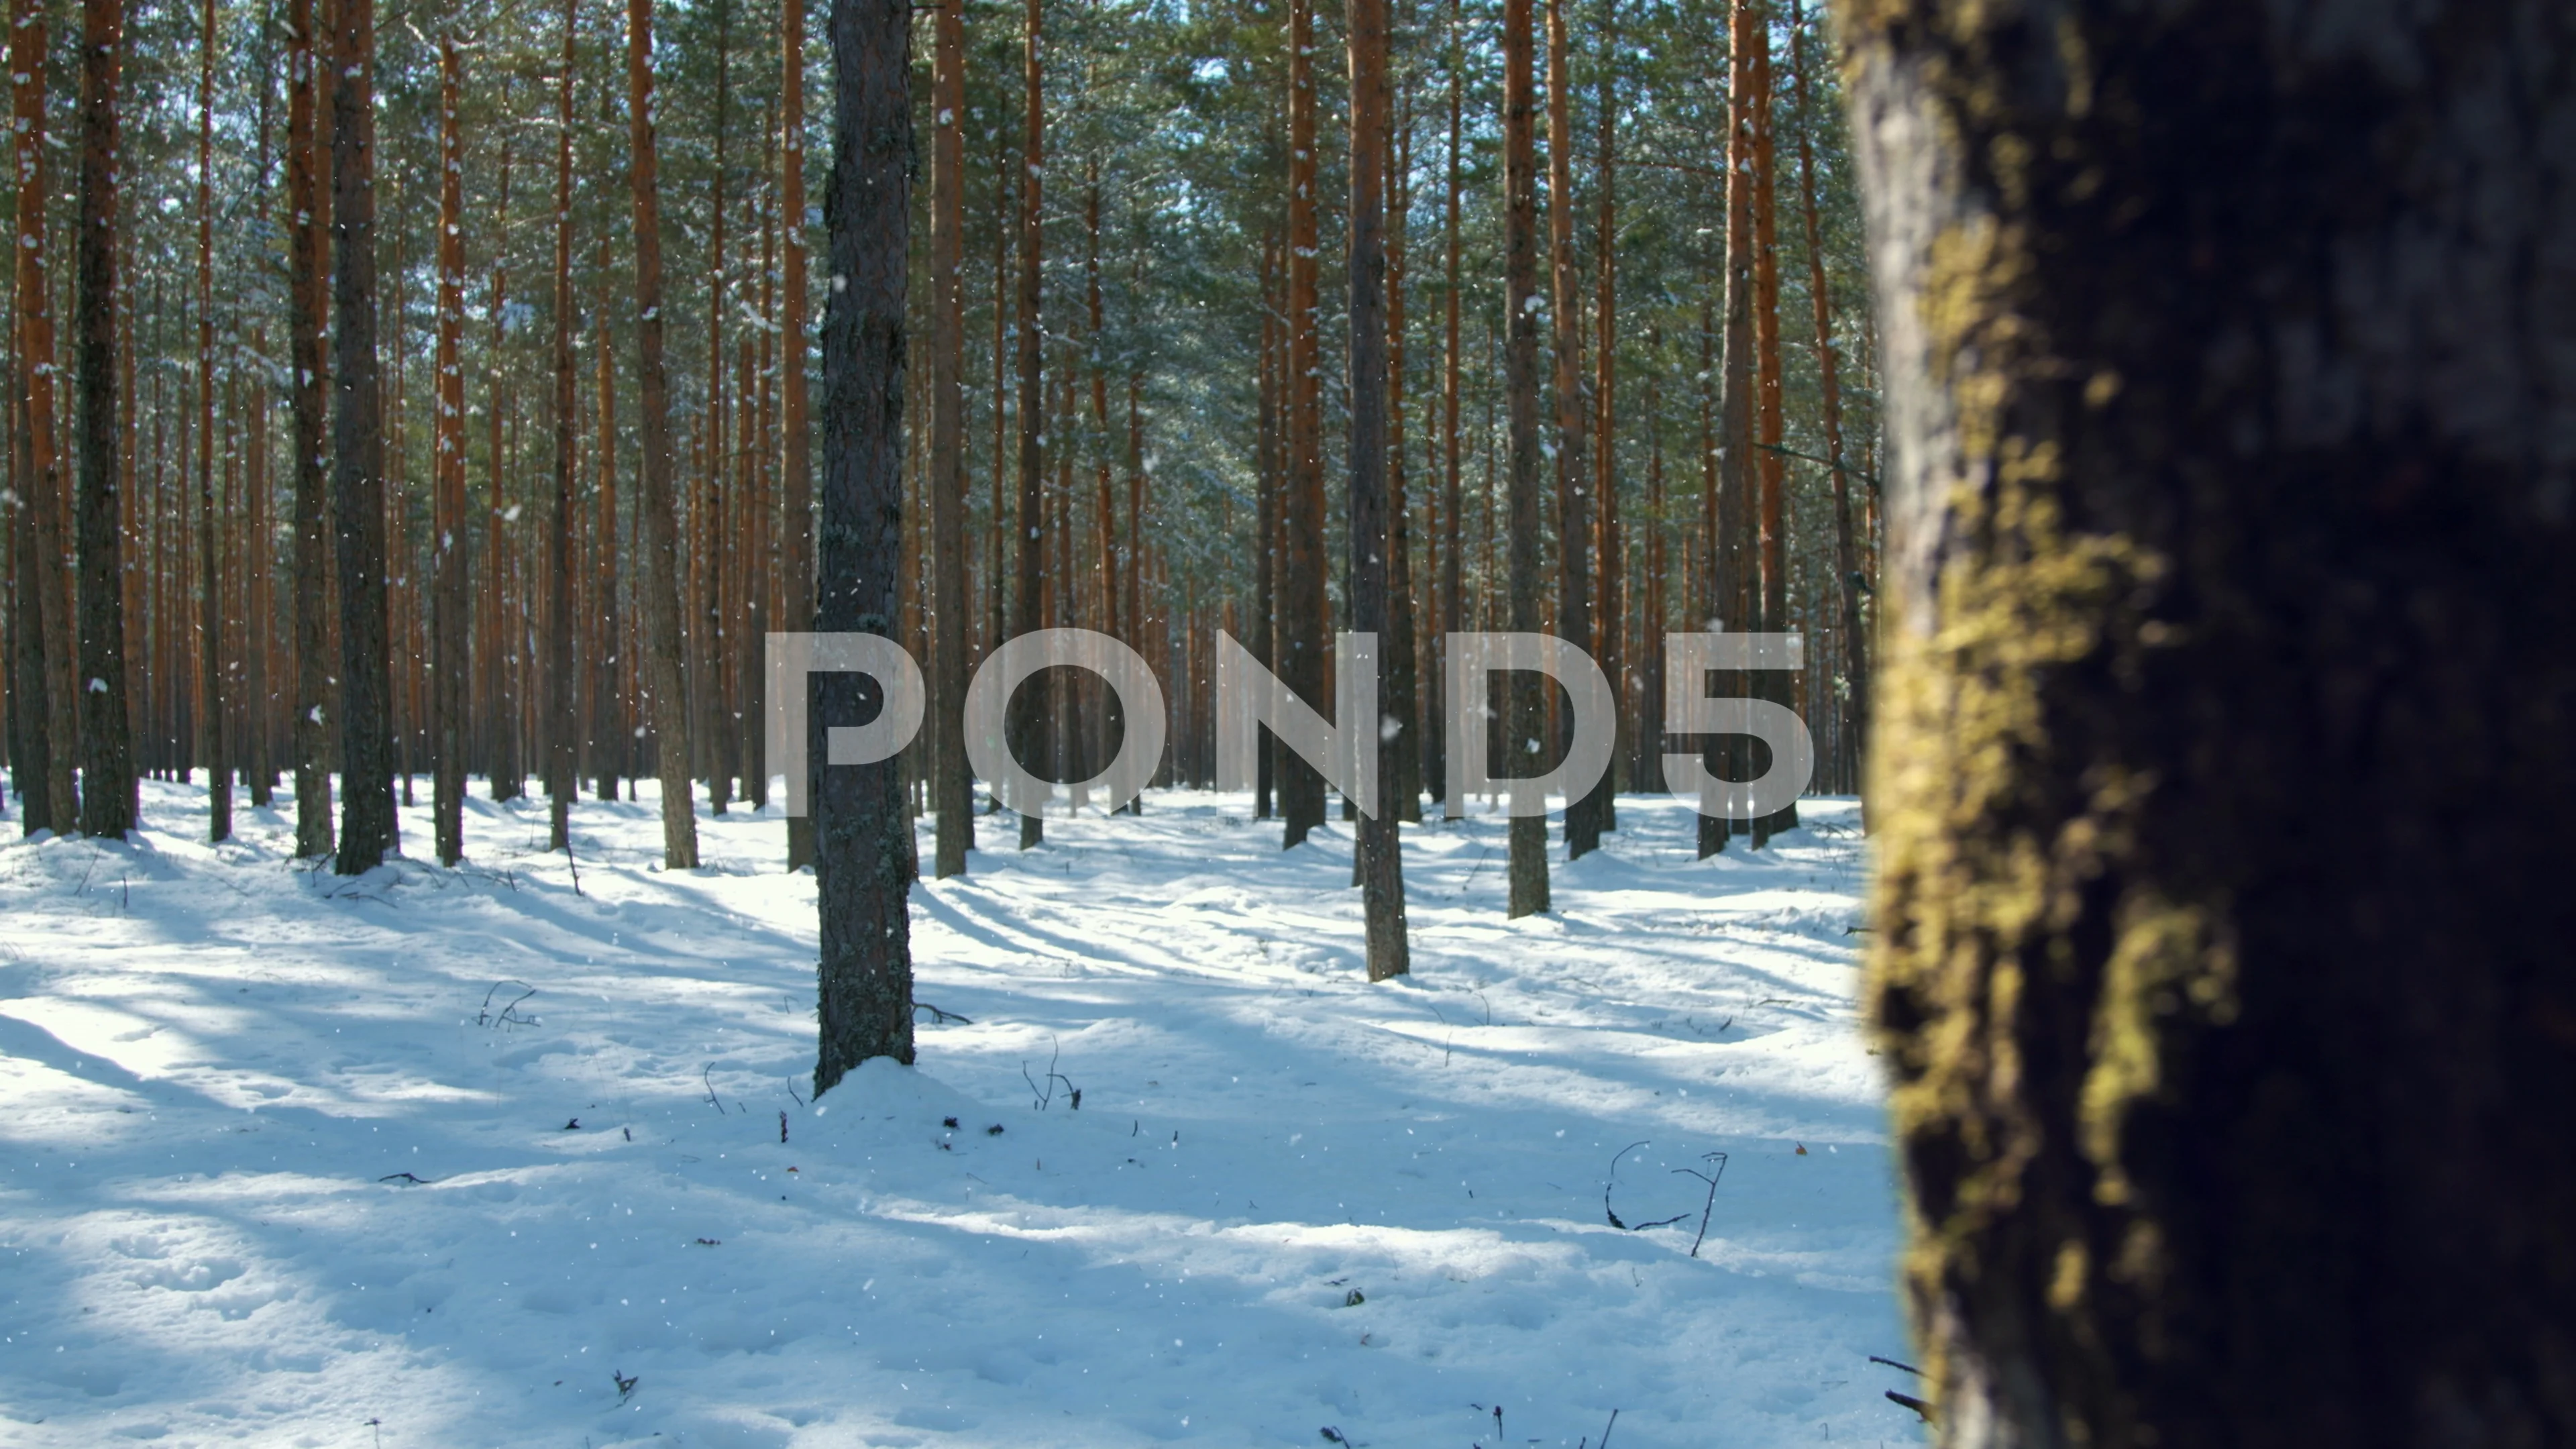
1856 649
711 563
1771 465
562 725
950 796
1735 601
45 747
308 237
366 750
1396 649
1265 527
662 574
1573 410
1610 625
503 627
213 715
1027 713
1654 580
1525 715
613 753
864 861
796 458
1379 849
451 618
1299 630
2222 761
1448 615
996 561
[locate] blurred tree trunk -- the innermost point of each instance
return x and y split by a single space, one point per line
864 856
2222 756
661 576
109 797
358 487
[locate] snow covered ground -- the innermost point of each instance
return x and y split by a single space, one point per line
467 1158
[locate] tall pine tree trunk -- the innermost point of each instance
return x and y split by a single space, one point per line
1379 852
1447 616
795 437
1573 411
1027 720
1735 601
562 726
1298 627
451 620
308 240
864 857
1610 625
358 493
1855 644
949 796
661 576
45 748
2222 756
213 714
1525 715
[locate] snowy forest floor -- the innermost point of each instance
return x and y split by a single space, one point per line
463 1157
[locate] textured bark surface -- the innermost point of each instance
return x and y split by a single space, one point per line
42 619
213 725
862 823
660 580
2222 760
358 451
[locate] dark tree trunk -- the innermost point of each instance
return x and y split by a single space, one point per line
1731 565
309 234
949 795
1265 523
451 619
661 576
2222 754
1298 628
611 747
1609 621
795 437
864 857
1525 713
366 748
562 725
1447 614
41 619
358 484
1027 718
1379 851
1573 413
214 744
1854 644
